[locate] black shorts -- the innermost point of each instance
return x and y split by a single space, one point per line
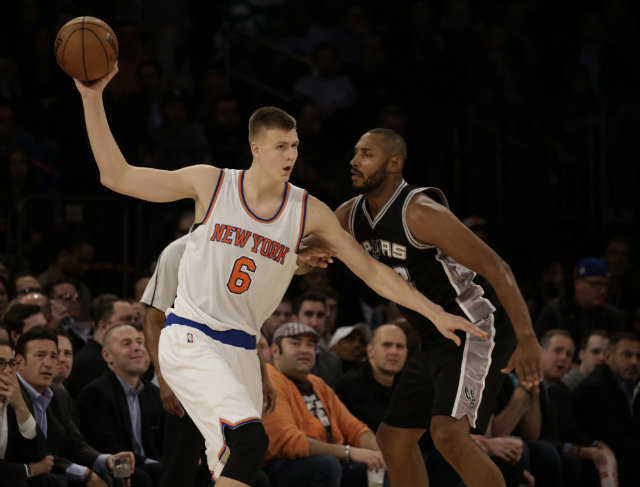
444 379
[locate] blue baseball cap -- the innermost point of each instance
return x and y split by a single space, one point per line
591 267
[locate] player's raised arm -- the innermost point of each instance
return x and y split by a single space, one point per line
116 174
323 224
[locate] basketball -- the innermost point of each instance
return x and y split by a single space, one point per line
86 48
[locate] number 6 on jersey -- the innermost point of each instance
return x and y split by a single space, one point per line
240 280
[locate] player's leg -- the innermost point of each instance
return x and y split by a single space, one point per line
218 398
451 437
402 455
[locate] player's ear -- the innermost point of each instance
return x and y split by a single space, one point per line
254 148
396 163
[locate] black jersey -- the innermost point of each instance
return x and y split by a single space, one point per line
436 275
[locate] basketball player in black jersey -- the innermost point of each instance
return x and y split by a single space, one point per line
450 386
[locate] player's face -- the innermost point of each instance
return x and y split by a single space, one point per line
277 150
594 353
388 350
625 360
369 163
556 358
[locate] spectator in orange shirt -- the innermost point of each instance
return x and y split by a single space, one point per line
314 439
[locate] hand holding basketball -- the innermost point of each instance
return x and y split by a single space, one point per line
86 48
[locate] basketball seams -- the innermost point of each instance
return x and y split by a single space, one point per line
73 53
106 55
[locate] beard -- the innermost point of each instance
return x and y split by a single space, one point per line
374 181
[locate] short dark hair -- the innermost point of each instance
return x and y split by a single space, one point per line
546 338
585 339
394 144
102 307
266 118
14 318
49 288
328 292
618 337
307 296
61 332
38 333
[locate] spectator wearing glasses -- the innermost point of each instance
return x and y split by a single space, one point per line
23 448
585 310
75 254
66 307
21 318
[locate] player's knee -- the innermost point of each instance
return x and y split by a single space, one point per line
247 446
446 435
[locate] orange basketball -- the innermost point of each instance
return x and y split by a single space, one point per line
86 48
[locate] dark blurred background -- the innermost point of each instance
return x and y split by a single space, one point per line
526 113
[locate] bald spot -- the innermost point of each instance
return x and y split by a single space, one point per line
382 330
111 333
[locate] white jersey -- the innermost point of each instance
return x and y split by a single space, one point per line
237 266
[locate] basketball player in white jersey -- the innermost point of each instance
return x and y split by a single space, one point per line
237 264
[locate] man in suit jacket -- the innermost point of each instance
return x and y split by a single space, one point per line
109 311
23 458
120 410
606 407
579 453
75 462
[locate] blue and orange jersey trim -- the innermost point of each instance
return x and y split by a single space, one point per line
226 424
253 215
303 219
216 192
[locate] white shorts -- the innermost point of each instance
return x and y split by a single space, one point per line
219 385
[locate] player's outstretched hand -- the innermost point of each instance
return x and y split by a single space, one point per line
447 324
98 85
315 256
527 360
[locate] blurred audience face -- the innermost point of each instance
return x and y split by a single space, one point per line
351 348
4 334
123 313
296 356
331 314
39 300
34 321
67 296
624 360
388 349
282 314
593 355
312 314
4 298
138 310
618 257
38 365
124 351
65 359
27 284
76 263
591 292
265 349
556 358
